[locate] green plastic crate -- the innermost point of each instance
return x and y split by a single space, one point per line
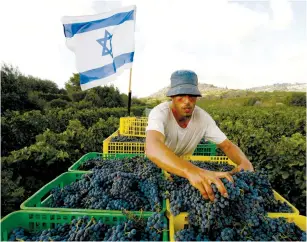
205 150
93 155
41 200
35 221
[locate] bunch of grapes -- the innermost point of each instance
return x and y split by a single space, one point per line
240 216
269 229
138 165
121 138
103 189
84 228
213 166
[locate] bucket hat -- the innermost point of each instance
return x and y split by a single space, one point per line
184 82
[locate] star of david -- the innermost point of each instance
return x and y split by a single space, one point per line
103 42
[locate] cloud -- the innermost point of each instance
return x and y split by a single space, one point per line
34 39
226 43
282 14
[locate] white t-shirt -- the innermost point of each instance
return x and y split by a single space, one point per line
183 141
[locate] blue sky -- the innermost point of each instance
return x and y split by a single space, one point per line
238 44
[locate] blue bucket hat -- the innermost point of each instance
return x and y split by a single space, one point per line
184 82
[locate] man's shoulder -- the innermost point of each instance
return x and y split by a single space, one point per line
202 114
162 107
160 110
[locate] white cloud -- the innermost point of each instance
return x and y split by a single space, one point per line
282 14
211 37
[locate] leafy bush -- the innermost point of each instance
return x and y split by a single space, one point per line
297 99
26 170
78 96
251 101
19 130
58 103
51 96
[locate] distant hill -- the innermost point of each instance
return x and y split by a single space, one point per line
203 87
209 89
287 87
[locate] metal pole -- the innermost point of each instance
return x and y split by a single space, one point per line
129 93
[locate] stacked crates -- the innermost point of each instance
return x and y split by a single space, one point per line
37 214
135 127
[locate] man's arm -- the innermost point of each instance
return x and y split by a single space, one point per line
235 154
163 157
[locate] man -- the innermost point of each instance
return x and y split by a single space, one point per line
175 128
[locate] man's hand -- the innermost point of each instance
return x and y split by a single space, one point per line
202 180
247 166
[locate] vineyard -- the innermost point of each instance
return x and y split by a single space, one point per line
65 152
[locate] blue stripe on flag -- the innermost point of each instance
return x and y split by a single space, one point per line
107 70
76 28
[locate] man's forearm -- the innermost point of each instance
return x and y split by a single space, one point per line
163 157
235 154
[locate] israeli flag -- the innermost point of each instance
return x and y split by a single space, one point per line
103 44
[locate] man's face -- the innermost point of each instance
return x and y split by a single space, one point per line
184 105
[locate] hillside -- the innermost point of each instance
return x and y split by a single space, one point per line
203 87
209 89
297 87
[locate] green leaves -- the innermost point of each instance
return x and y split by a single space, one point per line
285 174
48 157
19 130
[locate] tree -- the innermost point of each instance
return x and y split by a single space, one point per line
92 96
73 85
12 93
17 90
36 84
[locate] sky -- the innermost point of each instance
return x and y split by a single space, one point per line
234 44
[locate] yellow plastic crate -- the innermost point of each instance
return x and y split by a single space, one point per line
133 126
122 147
220 159
177 223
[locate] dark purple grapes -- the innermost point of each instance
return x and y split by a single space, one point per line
138 165
107 190
122 138
89 229
239 217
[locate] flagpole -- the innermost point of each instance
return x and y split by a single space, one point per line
129 93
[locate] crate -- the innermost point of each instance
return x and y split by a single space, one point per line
35 221
133 126
40 201
220 159
110 147
178 222
93 155
205 150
